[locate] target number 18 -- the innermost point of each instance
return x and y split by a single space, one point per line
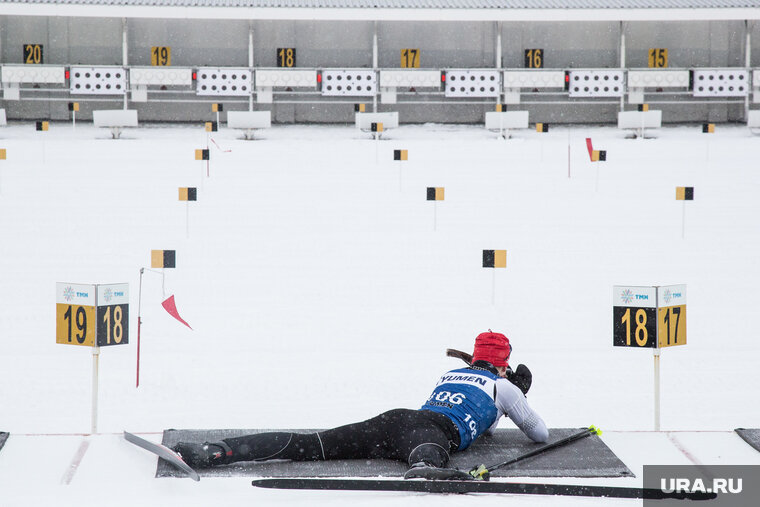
113 325
634 327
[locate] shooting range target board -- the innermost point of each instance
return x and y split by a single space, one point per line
224 81
472 83
98 81
349 82
596 83
720 82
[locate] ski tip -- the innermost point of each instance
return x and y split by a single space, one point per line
594 430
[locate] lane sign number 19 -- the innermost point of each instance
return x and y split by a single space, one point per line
92 315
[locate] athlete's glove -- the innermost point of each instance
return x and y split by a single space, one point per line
521 377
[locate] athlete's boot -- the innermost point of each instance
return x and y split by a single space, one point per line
203 455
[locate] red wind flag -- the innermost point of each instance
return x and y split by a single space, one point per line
171 308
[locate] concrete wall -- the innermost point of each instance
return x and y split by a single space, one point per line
346 44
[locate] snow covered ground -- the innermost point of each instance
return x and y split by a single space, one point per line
323 289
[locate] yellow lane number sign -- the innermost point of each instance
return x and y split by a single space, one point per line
75 314
671 315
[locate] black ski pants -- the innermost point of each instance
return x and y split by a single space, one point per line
401 434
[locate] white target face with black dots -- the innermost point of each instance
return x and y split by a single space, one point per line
473 83
98 81
721 83
349 82
223 81
596 83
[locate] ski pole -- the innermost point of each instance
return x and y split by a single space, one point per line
482 472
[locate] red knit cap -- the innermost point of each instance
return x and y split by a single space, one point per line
492 347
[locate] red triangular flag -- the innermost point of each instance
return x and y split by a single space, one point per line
171 307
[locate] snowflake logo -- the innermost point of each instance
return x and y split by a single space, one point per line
626 296
107 295
666 295
68 293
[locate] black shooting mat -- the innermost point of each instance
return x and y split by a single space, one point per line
587 457
3 438
751 436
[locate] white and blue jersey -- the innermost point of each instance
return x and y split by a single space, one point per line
475 400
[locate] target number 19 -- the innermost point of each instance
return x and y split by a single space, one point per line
74 325
161 56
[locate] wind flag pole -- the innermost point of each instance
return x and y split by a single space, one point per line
684 194
400 155
139 323
435 194
203 154
158 259
3 156
139 318
188 194
494 259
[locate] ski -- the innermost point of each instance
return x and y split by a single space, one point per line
163 452
519 488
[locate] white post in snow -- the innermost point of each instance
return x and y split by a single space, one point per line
656 388
94 419
656 352
683 221
493 288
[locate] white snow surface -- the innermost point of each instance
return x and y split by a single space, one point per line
320 294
